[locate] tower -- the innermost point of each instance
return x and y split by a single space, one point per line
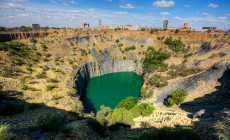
165 25
99 22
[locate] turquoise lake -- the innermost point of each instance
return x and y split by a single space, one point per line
110 89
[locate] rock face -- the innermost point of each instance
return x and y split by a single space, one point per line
99 68
136 41
190 84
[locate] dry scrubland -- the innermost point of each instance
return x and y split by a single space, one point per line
59 54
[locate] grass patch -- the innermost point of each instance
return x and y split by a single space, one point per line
41 75
50 87
51 80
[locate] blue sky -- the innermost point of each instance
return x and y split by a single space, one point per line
151 13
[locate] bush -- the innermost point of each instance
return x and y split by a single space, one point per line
50 123
50 87
70 61
48 55
51 80
175 45
154 60
209 31
117 41
171 134
157 81
135 111
120 45
102 114
33 40
177 97
151 32
124 57
12 109
120 116
4 128
45 68
41 75
128 103
24 87
144 94
133 47
146 109
35 106
177 30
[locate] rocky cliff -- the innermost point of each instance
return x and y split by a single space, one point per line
99 68
191 83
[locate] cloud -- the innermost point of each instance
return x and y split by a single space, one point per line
165 13
75 11
12 6
222 17
206 14
91 10
120 13
179 18
163 3
25 15
73 2
20 0
127 6
213 5
108 0
187 6
227 14
54 2
64 3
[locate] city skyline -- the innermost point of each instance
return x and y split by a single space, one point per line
68 13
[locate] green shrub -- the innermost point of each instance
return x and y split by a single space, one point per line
4 128
33 40
43 46
170 102
170 134
177 30
146 109
209 31
102 114
50 87
29 68
35 106
83 52
45 59
128 103
120 116
24 87
120 45
70 61
175 45
48 55
154 59
124 57
117 41
142 29
51 80
41 75
135 111
12 109
151 32
45 68
144 94
177 97
50 123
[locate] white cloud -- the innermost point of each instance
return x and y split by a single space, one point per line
187 6
20 0
222 17
206 14
24 15
75 11
213 5
73 2
91 10
127 6
12 6
64 3
165 13
54 2
120 13
179 18
163 3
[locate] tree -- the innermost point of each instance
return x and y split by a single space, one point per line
177 30
177 97
151 32
146 109
128 103
101 115
209 31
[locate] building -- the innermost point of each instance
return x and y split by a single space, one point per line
165 25
186 25
209 28
84 25
35 25
99 22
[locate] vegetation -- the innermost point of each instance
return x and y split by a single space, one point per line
152 31
51 80
102 114
182 70
50 123
120 45
124 57
2 94
128 103
41 75
177 97
176 45
185 133
209 31
35 106
4 128
133 47
33 40
177 30
117 41
83 52
222 126
154 60
50 87
24 87
11 109
145 94
157 81
143 109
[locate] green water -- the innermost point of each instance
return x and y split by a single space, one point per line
110 89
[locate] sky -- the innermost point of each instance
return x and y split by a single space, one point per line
150 13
